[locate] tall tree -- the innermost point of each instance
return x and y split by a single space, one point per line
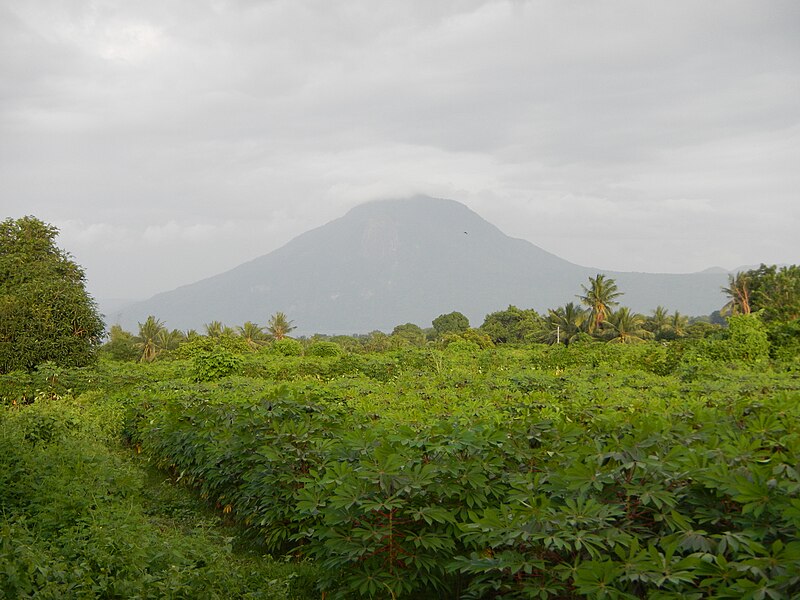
216 329
407 334
454 322
600 297
279 326
738 293
658 320
512 325
775 291
678 324
46 313
169 340
626 327
150 337
252 334
565 323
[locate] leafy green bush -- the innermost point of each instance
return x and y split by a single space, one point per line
217 363
324 349
784 338
75 522
462 346
746 340
287 347
16 387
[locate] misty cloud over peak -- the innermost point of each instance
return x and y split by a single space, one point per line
671 128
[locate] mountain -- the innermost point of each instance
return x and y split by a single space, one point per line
396 261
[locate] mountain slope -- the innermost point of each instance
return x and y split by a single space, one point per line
391 262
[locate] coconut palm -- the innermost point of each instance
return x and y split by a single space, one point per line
214 329
252 334
658 322
148 339
738 292
565 323
678 324
169 340
599 297
279 326
626 327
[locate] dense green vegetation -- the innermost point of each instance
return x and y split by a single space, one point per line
587 453
45 312
82 519
447 471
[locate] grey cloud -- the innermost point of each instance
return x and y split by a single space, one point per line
277 116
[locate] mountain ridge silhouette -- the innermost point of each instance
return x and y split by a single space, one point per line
389 262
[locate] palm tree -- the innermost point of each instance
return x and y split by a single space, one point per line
169 340
658 322
148 338
279 326
214 329
600 297
738 292
252 334
565 323
626 327
678 324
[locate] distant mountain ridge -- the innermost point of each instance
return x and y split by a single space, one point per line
395 261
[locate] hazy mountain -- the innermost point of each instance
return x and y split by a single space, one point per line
392 262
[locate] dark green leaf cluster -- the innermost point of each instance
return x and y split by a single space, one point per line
45 311
323 348
215 364
513 325
454 322
775 291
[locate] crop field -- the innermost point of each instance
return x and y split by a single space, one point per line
588 471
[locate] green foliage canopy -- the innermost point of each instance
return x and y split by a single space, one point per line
512 325
566 324
776 291
771 289
121 345
45 310
626 327
408 334
279 325
600 296
454 322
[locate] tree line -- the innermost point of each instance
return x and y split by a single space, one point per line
47 315
596 316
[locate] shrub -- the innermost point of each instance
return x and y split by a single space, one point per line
287 347
16 387
216 364
75 521
462 346
785 340
747 339
324 349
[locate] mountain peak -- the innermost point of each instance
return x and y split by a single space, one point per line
403 260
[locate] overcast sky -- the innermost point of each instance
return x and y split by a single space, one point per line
173 140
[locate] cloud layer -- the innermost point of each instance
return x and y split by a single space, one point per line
170 141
